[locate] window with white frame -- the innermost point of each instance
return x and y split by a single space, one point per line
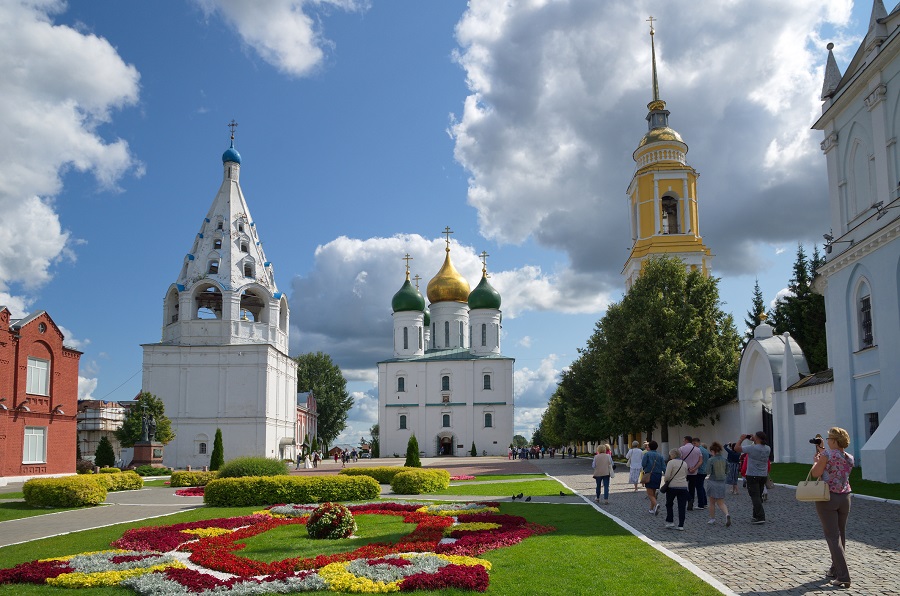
462 334
401 384
445 383
38 377
35 448
201 448
406 338
488 420
445 420
866 339
487 382
402 421
420 337
446 334
483 334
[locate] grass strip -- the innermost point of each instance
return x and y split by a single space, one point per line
19 509
535 488
15 495
794 473
487 477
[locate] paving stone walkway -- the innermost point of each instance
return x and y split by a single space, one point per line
787 555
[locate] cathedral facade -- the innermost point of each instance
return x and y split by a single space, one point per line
223 359
447 383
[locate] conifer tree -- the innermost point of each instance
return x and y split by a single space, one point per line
802 312
104 457
474 451
757 308
217 459
412 453
315 444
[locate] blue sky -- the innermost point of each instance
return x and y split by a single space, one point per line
365 128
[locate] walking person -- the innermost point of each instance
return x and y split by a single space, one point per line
676 478
702 471
603 466
653 464
734 467
633 457
715 483
757 471
692 460
833 465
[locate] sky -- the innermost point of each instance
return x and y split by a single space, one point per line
367 126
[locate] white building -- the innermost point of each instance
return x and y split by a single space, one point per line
861 278
447 383
223 360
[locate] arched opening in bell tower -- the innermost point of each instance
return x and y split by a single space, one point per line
670 215
171 307
207 302
254 306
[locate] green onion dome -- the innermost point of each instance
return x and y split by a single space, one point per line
484 295
427 317
408 298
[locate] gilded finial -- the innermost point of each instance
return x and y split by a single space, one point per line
656 104
232 125
407 258
484 257
447 231
762 317
417 278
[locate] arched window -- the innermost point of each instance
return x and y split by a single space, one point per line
217 244
420 337
864 309
406 338
446 334
487 382
219 226
445 383
402 421
245 247
213 267
445 420
462 337
202 448
483 334
248 270
240 227
670 215
401 384
488 420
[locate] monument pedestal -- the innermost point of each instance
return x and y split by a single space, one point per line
148 453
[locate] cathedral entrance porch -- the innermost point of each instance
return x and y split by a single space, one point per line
445 445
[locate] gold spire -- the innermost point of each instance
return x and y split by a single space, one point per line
657 103
448 285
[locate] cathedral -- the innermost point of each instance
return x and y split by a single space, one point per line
662 196
223 360
447 384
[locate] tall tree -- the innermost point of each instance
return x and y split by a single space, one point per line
667 354
131 430
802 312
757 308
317 373
217 459
375 443
412 453
105 456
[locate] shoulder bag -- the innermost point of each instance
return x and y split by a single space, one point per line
665 487
645 476
813 490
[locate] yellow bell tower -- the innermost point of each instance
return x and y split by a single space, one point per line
662 196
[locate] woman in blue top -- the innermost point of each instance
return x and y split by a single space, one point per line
653 465
734 468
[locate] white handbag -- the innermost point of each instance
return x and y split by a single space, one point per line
813 490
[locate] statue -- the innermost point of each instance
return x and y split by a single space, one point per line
151 428
145 426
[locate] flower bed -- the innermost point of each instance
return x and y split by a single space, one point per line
439 553
194 491
462 477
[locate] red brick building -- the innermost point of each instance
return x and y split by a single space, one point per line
38 398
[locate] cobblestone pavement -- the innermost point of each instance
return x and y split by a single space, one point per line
786 555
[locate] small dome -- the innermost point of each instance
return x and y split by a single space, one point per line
408 298
484 295
231 154
448 285
660 134
427 318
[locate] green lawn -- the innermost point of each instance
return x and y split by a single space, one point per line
17 495
587 554
159 483
535 488
488 477
18 510
794 473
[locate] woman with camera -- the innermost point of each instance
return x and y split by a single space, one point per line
833 465
757 471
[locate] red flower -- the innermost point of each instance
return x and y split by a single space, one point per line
35 572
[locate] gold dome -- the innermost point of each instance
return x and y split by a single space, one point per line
448 285
660 134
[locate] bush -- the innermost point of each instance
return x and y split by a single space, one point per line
104 456
71 491
331 521
121 481
253 466
110 470
217 459
84 466
148 470
384 474
412 453
182 478
418 481
272 490
474 451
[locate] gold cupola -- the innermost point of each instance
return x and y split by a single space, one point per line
448 285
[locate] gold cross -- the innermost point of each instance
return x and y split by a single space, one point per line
484 257
232 125
650 20
447 231
417 278
407 258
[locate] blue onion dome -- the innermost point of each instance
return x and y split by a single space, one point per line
484 295
427 317
231 154
408 298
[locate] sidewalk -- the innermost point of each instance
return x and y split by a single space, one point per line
787 555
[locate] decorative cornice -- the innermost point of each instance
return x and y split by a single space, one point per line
829 143
859 250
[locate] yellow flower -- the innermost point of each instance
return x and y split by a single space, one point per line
105 578
339 579
113 551
470 526
207 532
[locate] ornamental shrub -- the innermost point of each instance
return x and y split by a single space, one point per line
104 456
474 451
121 481
148 470
110 470
331 521
412 453
253 466
84 466
181 478
217 459
383 474
70 491
416 482
272 490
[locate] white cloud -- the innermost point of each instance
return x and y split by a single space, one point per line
779 295
557 99
282 32
86 387
360 419
72 341
59 86
533 387
525 342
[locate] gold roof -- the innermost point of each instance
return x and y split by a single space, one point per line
448 285
660 134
